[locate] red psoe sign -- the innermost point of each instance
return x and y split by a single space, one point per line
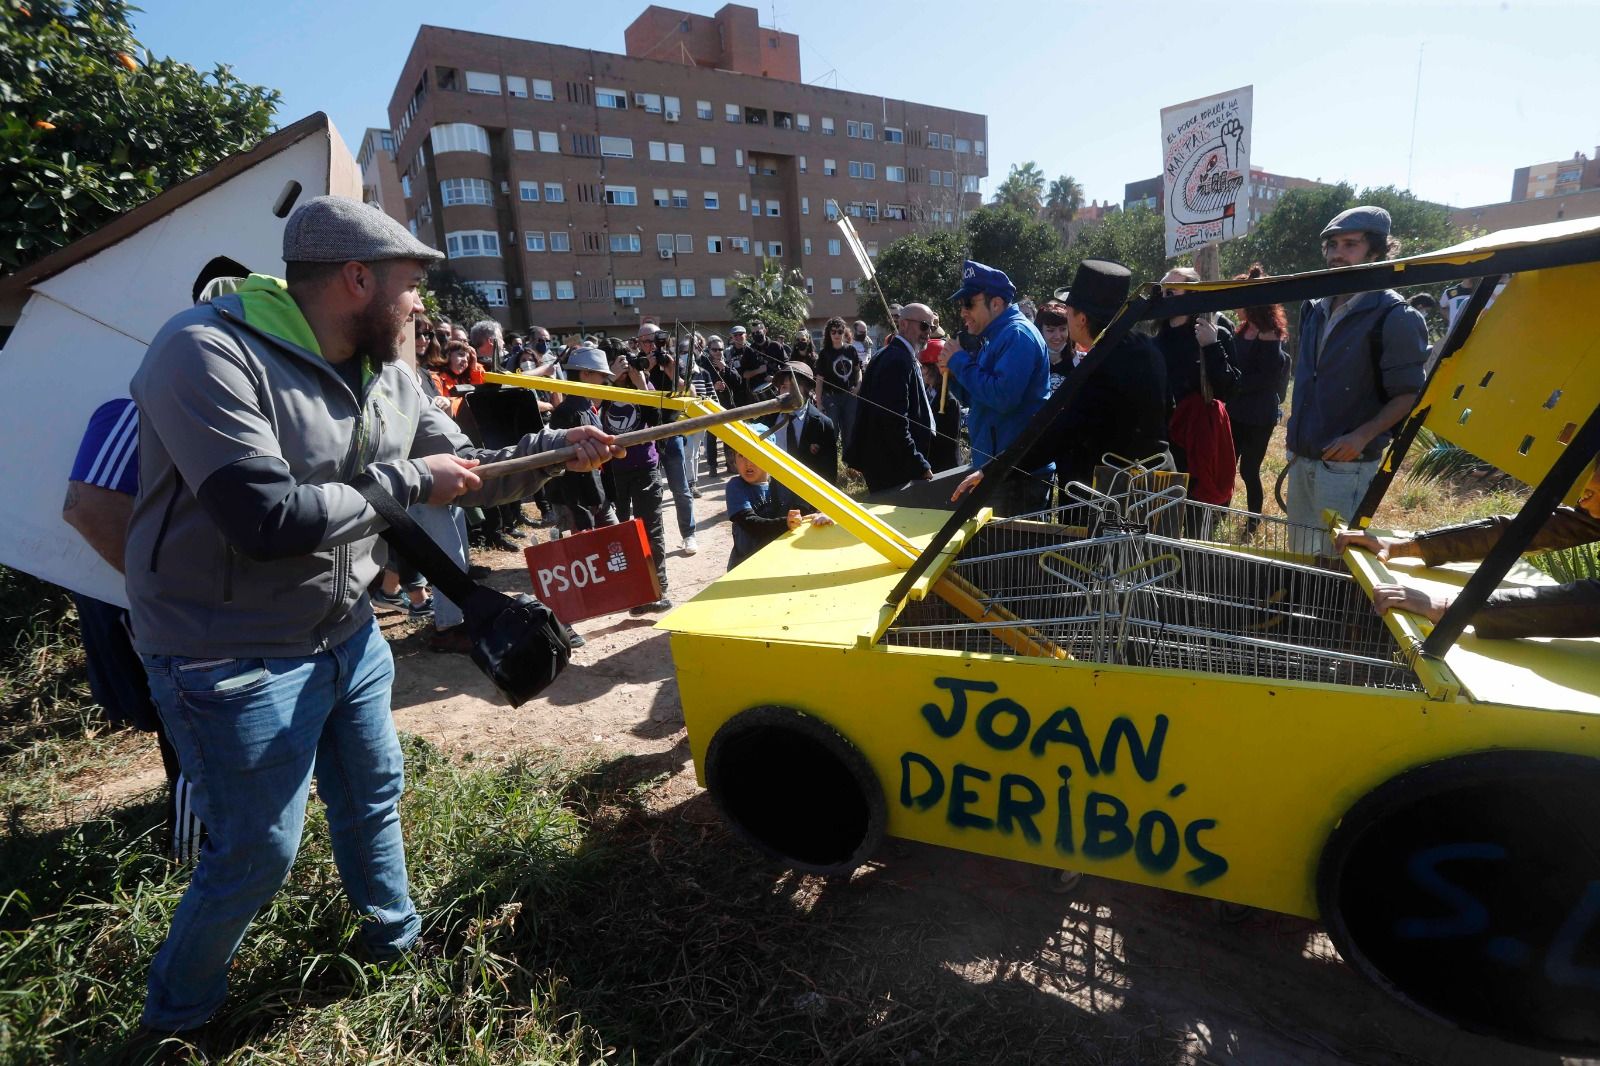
599 572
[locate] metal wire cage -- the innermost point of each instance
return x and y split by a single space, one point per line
1147 577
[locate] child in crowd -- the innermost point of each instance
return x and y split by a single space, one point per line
760 510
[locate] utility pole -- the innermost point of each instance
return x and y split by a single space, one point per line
1416 101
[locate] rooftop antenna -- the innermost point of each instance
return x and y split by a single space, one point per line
1415 102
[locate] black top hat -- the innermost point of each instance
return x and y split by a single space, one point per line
1099 288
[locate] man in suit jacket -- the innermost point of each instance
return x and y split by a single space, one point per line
808 435
894 421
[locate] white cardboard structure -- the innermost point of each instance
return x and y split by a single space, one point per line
89 311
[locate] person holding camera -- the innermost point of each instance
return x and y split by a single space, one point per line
759 359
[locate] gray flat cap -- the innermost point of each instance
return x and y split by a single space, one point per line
589 359
1366 219
336 229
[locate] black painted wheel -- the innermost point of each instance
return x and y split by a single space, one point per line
1470 889
797 789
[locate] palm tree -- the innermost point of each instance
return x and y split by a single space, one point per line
1023 189
774 296
1062 204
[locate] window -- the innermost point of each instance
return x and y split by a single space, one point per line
685 244
548 142
674 153
946 141
625 242
949 216
585 144
775 249
487 84
761 249
615 99
827 126
949 179
740 244
712 203
805 247
933 177
664 242
522 140
708 155
805 205
714 245
669 288
685 286
658 197
869 171
755 208
802 162
894 173
554 193
458 137
852 129
680 198
560 241
493 293
702 109
772 209
830 210
802 123
855 169
616 147
872 249
811 286
674 107
467 243
533 241
969 183
658 151
896 212
516 86
622 196
651 102
836 286
543 90
465 191
528 192
738 158
564 290
829 168
744 202
538 290
867 132
833 246
719 286
626 289
732 113
893 136
977 147
963 146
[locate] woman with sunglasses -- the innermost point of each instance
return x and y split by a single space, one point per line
839 363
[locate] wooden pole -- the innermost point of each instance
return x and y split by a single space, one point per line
558 456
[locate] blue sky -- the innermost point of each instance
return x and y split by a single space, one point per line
1075 87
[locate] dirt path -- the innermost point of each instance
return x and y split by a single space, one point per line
1269 989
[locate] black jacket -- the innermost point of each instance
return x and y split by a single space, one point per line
818 444
1182 352
1263 382
894 428
1121 408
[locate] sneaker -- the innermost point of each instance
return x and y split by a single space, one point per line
452 641
663 604
397 600
523 521
420 610
690 545
501 542
694 493
574 638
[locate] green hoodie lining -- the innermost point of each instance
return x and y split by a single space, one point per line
268 307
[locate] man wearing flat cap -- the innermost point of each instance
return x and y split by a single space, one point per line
1358 370
1003 369
248 558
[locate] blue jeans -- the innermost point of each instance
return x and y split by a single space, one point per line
249 733
677 471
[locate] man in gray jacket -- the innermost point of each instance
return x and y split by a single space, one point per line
1358 370
248 558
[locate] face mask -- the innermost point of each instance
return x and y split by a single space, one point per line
541 346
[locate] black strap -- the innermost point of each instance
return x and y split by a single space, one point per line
410 540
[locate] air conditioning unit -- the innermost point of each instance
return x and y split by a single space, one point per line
671 116
665 253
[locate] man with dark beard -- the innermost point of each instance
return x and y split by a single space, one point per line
248 558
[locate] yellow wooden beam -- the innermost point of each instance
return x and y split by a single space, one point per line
665 401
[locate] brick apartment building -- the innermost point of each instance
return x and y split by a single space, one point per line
577 188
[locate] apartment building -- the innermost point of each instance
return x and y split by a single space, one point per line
1559 178
575 188
380 178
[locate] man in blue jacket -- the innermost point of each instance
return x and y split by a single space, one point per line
1358 371
1003 368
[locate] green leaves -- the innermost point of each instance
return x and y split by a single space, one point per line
774 297
84 138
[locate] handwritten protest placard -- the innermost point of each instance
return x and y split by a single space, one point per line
1205 152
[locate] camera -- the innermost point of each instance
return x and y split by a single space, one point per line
641 361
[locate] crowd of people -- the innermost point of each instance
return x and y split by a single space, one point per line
223 492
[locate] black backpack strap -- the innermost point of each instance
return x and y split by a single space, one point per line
409 539
1375 348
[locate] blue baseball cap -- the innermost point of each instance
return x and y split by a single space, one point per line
976 278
